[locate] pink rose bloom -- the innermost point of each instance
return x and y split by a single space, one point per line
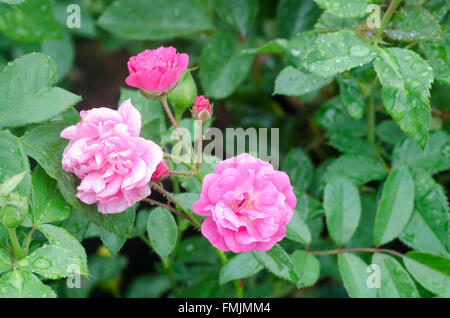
114 163
156 70
202 108
247 204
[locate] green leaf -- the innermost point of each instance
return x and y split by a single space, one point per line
162 231
330 113
438 55
187 199
351 96
294 16
427 230
293 82
438 8
44 144
222 66
431 271
26 95
59 236
5 262
21 284
406 79
297 230
273 46
342 209
48 203
196 250
354 274
30 21
307 266
433 159
345 8
14 161
113 242
364 233
11 183
299 47
240 14
278 262
240 266
148 286
389 132
359 169
337 52
330 22
395 206
62 51
87 26
394 279
412 23
299 168
352 146
52 262
155 19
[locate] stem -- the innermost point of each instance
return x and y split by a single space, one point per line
183 173
170 208
385 21
168 267
145 240
199 147
357 250
15 244
238 287
166 107
171 198
26 244
371 120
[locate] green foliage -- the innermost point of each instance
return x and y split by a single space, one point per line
406 79
353 273
155 19
26 99
395 206
162 231
395 281
364 138
240 266
342 209
223 67
431 271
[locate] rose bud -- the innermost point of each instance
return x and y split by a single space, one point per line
156 71
182 95
202 109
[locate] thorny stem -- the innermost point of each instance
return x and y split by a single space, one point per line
385 21
357 250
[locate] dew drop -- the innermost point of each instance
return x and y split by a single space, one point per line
359 51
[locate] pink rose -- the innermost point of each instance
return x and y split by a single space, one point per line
156 70
114 163
202 108
247 204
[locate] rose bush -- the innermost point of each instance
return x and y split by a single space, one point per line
322 171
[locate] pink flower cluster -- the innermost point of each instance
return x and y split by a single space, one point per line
247 203
156 70
114 163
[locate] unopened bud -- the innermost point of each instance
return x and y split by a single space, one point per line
202 109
